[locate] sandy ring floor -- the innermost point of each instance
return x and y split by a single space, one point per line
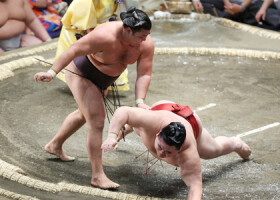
14 173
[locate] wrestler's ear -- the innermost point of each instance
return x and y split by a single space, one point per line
128 29
157 133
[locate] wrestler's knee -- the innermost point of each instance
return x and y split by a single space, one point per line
96 121
96 126
79 115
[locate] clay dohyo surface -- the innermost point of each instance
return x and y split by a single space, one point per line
244 90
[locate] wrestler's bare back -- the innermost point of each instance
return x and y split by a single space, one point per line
115 47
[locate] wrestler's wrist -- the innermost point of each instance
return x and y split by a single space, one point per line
138 101
113 135
52 73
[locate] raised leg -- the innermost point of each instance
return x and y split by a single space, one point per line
209 148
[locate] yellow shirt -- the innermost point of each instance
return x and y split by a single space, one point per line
87 14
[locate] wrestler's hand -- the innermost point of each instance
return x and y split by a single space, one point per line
43 77
198 6
109 143
260 15
144 106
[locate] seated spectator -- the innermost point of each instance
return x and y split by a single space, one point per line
15 17
269 14
238 10
49 13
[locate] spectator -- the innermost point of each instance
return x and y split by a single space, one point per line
269 14
15 17
49 13
233 9
237 10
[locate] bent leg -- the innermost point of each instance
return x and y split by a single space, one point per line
71 124
209 148
90 102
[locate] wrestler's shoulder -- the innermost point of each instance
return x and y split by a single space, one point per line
148 44
107 30
110 27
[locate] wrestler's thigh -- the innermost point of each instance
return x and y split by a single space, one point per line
87 96
207 146
29 40
199 122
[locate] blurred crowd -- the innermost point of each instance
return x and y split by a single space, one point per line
261 13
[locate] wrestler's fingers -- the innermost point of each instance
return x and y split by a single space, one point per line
116 146
36 77
106 147
103 146
45 79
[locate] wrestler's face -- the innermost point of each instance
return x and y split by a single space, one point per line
138 37
163 150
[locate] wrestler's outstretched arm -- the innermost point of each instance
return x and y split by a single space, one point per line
134 117
119 120
190 165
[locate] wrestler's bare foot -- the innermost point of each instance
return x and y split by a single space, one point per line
242 149
49 148
103 182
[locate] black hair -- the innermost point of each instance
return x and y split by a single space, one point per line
174 134
136 20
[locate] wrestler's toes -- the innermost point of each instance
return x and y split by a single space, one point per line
246 152
243 149
106 186
116 185
67 158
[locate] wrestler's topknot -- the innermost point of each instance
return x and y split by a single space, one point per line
174 134
136 19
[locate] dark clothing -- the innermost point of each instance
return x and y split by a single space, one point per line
68 2
91 73
216 8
